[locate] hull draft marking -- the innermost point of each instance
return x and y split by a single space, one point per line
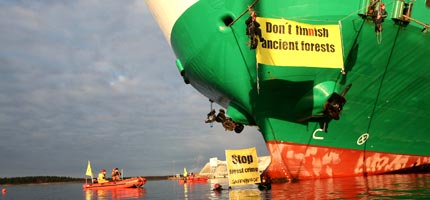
363 138
314 136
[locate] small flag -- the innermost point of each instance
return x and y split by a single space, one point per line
89 171
185 172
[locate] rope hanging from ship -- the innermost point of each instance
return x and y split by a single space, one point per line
244 12
287 171
382 80
253 32
251 22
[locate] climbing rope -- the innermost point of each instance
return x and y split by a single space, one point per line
238 43
286 171
258 78
382 80
211 115
244 12
379 37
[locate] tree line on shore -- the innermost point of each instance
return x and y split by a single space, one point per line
38 179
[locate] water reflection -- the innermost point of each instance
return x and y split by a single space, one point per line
119 193
383 186
409 186
185 191
246 194
194 190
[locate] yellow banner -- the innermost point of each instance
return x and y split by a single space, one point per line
242 166
290 43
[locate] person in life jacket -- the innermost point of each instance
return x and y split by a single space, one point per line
116 174
253 29
211 116
226 122
217 187
101 178
265 184
220 117
379 17
229 124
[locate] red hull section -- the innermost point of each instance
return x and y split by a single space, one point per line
293 161
127 183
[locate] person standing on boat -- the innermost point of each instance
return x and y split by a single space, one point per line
116 174
101 178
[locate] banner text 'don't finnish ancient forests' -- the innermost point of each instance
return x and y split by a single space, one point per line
290 43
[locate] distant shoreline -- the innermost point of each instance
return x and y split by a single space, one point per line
27 180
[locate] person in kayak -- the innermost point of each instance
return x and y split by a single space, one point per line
101 178
116 174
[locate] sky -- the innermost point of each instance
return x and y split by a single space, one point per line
96 80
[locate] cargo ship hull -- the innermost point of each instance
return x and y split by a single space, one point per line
383 125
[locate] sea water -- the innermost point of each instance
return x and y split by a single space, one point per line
410 186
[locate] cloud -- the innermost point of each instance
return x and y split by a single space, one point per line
95 80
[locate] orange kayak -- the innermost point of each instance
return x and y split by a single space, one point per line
126 183
200 179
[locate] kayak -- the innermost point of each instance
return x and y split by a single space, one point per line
200 179
126 183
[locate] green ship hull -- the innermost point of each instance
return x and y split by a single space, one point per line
384 123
